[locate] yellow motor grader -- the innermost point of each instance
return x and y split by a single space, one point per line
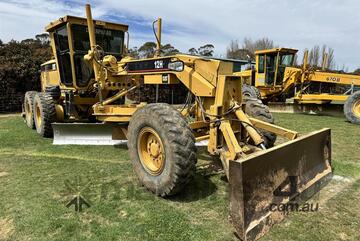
92 77
276 78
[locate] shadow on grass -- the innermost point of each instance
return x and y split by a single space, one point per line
201 186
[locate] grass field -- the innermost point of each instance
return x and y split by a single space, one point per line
35 178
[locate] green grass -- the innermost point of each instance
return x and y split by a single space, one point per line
33 194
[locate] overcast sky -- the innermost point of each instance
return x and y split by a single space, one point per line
190 23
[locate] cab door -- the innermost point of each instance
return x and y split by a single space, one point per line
270 69
260 70
63 55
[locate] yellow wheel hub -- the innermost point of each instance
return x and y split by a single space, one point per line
151 151
356 108
38 115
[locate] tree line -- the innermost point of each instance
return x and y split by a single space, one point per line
148 49
20 69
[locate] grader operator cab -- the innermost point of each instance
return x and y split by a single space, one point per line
96 76
70 40
276 78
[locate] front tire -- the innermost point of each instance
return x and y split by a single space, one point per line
44 114
162 148
352 108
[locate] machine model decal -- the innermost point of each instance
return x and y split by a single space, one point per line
333 79
149 65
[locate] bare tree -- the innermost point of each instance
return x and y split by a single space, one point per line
234 52
248 48
314 56
331 58
317 56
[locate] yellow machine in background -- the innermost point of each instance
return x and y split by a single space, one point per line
49 75
96 75
276 79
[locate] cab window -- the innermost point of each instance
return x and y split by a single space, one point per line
270 68
261 64
109 40
286 59
63 55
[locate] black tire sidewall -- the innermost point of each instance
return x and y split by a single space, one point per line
179 147
164 178
47 113
37 101
348 108
29 101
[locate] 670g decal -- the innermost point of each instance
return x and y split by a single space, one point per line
333 79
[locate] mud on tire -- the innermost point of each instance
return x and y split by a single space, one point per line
178 143
255 108
44 114
352 108
28 109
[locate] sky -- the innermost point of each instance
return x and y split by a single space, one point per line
296 24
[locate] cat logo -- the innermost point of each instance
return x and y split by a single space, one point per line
165 79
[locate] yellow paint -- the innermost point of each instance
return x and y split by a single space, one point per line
151 151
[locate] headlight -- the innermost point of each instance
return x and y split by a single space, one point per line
176 66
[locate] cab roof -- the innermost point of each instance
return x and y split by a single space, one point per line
82 21
284 50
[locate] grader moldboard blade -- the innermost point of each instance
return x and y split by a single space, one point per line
92 134
288 173
88 134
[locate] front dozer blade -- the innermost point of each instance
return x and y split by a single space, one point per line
289 173
88 134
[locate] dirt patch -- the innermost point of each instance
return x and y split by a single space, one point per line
7 228
337 184
3 174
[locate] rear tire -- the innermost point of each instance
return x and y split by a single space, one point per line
44 114
256 109
158 128
352 108
28 109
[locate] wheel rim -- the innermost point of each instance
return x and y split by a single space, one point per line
151 151
356 108
38 115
